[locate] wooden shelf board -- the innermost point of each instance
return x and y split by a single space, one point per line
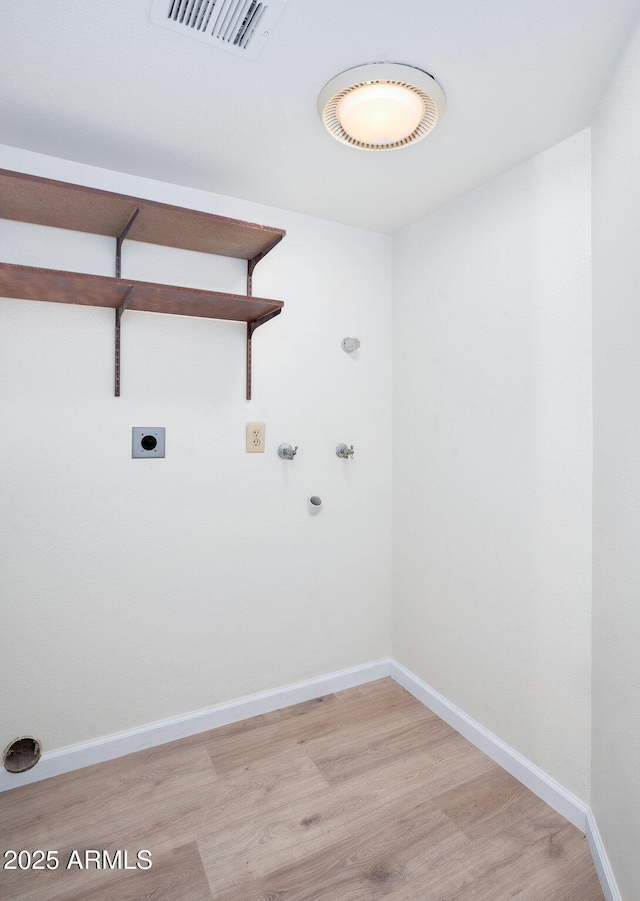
29 198
29 283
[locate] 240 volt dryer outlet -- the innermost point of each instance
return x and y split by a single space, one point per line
147 441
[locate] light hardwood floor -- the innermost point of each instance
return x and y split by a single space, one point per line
354 797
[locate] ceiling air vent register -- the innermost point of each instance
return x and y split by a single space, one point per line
239 26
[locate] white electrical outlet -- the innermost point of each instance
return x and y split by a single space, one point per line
255 437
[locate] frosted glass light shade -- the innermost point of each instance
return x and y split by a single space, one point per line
381 106
380 113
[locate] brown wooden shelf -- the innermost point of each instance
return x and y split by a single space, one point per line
29 198
43 201
54 286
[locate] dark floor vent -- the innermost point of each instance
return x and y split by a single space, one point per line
21 754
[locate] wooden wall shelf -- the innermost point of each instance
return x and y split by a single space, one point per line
28 198
54 286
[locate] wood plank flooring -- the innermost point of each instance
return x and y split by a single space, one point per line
357 796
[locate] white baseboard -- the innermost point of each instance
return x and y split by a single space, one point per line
540 783
600 859
75 757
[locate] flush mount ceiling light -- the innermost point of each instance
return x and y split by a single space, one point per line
381 106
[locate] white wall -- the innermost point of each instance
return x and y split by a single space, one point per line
616 521
134 590
137 590
492 457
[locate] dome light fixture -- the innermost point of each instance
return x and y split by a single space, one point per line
381 106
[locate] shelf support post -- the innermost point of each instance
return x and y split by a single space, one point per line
252 326
120 241
119 311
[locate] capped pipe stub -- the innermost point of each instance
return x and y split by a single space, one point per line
350 344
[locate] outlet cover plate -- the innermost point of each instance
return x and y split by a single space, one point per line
147 441
255 437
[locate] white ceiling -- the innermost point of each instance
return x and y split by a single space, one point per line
97 83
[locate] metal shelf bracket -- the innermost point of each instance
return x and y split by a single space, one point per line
252 326
119 311
120 241
125 303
